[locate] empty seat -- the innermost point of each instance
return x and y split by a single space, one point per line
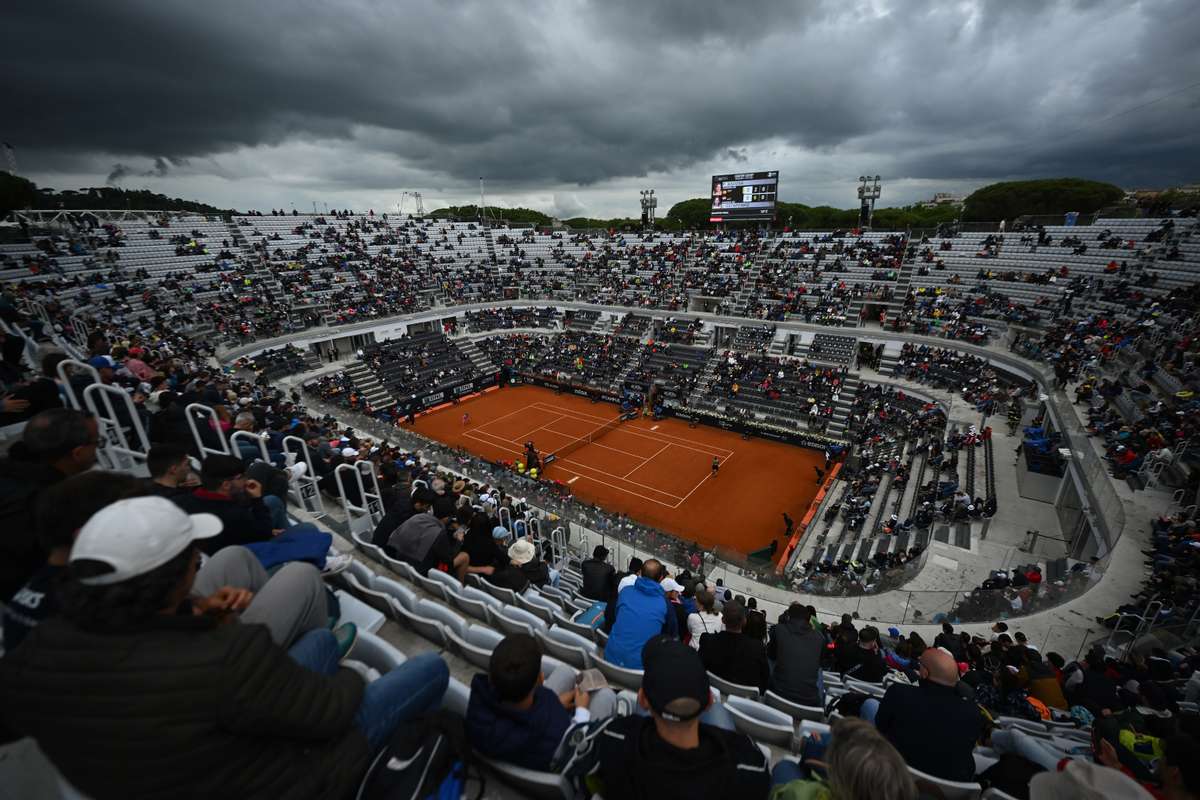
619 676
761 722
475 644
396 590
535 606
506 596
568 646
475 603
517 620
794 710
733 689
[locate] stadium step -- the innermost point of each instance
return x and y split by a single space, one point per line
366 383
478 360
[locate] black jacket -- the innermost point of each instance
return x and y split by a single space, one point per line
636 764
184 709
797 650
599 579
735 657
933 727
396 516
21 480
864 665
245 523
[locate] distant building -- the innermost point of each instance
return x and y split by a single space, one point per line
943 199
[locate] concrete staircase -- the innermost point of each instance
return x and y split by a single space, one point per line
370 387
841 411
479 360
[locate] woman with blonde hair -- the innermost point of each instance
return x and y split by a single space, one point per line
860 764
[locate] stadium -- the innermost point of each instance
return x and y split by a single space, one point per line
755 497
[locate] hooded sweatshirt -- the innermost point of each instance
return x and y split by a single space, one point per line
524 737
642 613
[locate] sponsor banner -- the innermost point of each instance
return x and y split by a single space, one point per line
455 391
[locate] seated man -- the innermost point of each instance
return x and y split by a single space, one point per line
406 506
182 704
864 663
732 655
170 470
671 753
599 577
427 541
931 724
519 714
640 613
796 648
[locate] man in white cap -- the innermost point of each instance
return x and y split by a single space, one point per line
129 697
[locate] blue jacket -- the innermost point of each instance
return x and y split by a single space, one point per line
642 613
527 738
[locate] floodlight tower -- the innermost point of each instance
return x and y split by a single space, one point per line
649 207
868 193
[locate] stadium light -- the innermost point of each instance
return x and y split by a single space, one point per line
868 193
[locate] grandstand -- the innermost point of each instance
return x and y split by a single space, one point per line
393 330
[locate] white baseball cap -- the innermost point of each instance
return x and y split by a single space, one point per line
349 452
137 535
671 585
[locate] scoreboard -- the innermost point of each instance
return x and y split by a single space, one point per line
744 196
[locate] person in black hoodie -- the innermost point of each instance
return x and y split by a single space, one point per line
671 753
55 444
734 656
599 577
863 661
406 505
519 714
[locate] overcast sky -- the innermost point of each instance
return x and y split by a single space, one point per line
571 107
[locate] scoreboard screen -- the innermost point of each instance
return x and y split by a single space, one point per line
744 195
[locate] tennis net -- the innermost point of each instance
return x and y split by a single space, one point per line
578 442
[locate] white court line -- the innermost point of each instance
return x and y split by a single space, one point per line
660 437
654 428
596 444
564 461
497 419
573 479
698 485
524 437
646 461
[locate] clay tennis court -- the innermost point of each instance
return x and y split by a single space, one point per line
658 472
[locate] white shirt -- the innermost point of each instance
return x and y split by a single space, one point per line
700 623
628 580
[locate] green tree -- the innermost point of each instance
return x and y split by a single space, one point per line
16 193
1012 199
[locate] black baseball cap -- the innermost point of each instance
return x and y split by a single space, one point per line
675 681
424 495
444 507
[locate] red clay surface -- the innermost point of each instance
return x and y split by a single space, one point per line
659 473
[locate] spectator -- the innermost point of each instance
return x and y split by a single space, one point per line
184 704
55 445
949 640
599 577
732 655
861 765
1088 686
426 541
672 753
237 501
706 620
171 472
418 501
756 621
864 661
1043 683
933 727
796 648
523 554
61 511
642 612
519 714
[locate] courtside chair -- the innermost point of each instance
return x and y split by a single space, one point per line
530 783
732 689
951 790
517 620
536 608
619 676
506 596
796 711
568 647
761 723
396 590
477 645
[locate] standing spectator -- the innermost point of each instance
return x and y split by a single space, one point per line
180 704
953 644
56 444
796 648
756 621
734 656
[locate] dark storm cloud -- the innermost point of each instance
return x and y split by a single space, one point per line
577 92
